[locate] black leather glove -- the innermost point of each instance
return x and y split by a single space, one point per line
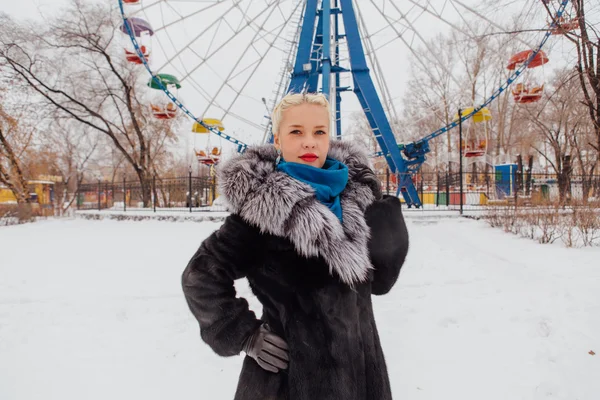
366 175
269 350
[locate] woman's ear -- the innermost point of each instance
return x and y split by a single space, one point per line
276 141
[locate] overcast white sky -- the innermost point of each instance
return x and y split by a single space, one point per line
29 8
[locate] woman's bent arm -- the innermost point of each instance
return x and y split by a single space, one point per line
388 245
208 284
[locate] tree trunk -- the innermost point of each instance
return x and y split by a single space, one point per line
146 187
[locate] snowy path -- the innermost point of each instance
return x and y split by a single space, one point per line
94 310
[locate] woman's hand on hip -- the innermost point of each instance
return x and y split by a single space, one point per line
269 350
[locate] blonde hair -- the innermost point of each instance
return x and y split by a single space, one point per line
296 99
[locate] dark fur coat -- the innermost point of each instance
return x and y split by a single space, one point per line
313 275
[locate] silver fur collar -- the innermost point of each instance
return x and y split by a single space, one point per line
280 205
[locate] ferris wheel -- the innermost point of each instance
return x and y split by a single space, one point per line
232 60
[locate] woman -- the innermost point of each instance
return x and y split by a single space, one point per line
313 235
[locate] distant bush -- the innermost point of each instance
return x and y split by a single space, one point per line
575 226
13 214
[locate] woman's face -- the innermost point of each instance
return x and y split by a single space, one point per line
303 135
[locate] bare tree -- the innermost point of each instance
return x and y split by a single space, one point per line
69 146
14 141
559 123
432 89
77 68
586 39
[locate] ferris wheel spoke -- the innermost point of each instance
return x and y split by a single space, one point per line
244 12
263 57
438 15
215 104
143 8
162 47
270 32
199 56
276 3
396 21
421 38
491 22
197 1
280 10
237 63
443 6
410 48
246 68
263 34
195 13
195 39
223 45
372 55
212 41
245 120
464 20
172 9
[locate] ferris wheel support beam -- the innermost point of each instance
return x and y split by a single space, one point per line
338 96
364 89
326 56
301 70
312 84
314 59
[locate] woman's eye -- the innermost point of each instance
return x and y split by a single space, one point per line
321 133
296 132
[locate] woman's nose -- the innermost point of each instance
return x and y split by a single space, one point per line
309 144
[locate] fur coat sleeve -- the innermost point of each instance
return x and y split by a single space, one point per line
388 244
208 284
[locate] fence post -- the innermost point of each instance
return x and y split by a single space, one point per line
79 183
528 178
387 180
487 184
190 188
124 194
168 205
154 192
516 193
99 205
214 189
421 187
447 189
437 190
106 195
460 157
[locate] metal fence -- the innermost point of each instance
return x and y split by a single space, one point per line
480 190
169 194
437 191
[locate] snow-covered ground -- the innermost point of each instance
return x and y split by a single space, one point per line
94 310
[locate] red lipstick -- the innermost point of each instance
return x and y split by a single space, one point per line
309 157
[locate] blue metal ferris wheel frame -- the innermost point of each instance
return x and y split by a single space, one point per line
313 51
313 60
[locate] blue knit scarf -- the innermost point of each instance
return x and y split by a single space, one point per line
328 182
